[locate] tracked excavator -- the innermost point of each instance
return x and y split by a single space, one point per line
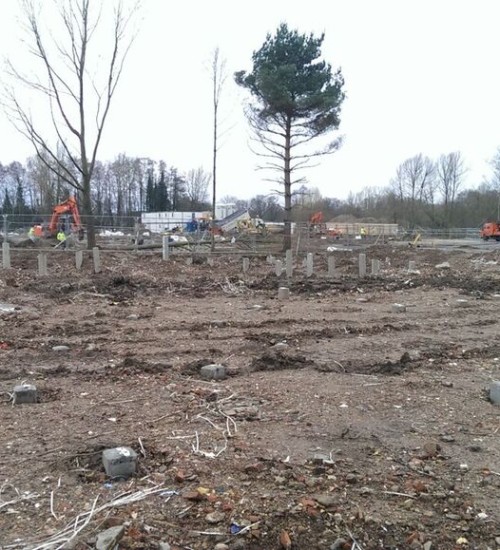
66 212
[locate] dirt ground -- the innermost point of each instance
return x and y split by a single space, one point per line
341 424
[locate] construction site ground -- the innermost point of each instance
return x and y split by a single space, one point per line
341 424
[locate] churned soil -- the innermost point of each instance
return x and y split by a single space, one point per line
341 422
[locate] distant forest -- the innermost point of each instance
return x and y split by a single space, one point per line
422 193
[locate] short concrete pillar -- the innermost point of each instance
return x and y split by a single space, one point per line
412 265
42 264
6 255
398 308
246 264
362 265
79 259
309 264
283 293
289 263
213 372
210 261
166 247
270 259
495 393
189 261
96 256
25 393
375 268
119 462
278 268
331 266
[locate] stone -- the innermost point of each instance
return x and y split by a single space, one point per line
221 546
213 372
444 265
495 393
338 544
428 545
326 500
164 546
119 462
25 393
461 302
215 517
60 349
109 539
398 308
431 449
133 317
283 293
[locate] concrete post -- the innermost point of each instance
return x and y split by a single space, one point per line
375 267
79 259
97 260
42 264
246 264
283 293
278 267
166 248
331 266
412 265
309 264
270 259
6 255
362 265
289 263
210 261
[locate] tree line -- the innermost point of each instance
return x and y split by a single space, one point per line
123 187
422 193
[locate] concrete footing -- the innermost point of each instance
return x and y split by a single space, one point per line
495 393
278 267
362 265
25 393
398 308
213 372
283 293
119 462
246 264
6 255
96 255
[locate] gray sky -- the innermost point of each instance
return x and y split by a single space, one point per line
421 76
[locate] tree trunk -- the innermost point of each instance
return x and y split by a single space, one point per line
88 214
287 181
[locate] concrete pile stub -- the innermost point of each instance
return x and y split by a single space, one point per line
309 264
398 308
495 393
412 266
79 259
331 266
25 393
362 265
166 247
278 268
283 293
375 267
42 264
119 462
6 255
246 264
213 372
97 259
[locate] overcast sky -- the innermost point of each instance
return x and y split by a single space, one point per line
421 76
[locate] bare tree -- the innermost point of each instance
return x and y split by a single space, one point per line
415 183
196 186
78 77
450 170
218 76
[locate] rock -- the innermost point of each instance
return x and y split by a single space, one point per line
238 544
133 317
109 539
475 448
444 265
215 517
495 393
213 372
351 478
60 349
164 546
447 438
221 546
427 545
398 308
326 500
431 449
447 383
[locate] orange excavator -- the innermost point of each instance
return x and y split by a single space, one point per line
318 227
69 208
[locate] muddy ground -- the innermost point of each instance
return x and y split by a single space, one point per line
341 424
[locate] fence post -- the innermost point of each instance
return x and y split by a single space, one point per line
97 260
166 248
289 263
5 255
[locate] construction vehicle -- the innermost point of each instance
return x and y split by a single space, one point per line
318 227
490 230
66 216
